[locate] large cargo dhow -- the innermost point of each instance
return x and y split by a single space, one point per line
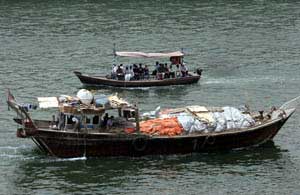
94 126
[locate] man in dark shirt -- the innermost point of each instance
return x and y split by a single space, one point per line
120 73
146 72
141 72
166 70
135 71
105 119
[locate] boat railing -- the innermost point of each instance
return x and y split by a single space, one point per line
159 76
292 104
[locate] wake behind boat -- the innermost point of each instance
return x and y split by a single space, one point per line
139 75
87 126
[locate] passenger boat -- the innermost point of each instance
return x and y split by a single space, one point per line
77 129
107 80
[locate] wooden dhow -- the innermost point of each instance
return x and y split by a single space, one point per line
175 57
86 137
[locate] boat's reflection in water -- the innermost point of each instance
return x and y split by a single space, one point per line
86 174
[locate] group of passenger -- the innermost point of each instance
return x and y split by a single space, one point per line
128 73
140 72
163 71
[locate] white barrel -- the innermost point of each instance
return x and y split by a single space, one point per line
85 96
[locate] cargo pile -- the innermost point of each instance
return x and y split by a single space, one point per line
196 119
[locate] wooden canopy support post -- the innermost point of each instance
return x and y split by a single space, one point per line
83 118
120 112
137 119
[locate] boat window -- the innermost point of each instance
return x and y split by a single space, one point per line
88 120
96 119
69 119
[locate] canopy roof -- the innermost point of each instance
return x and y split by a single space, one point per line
149 55
67 107
48 102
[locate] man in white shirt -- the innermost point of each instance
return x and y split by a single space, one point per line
183 70
114 71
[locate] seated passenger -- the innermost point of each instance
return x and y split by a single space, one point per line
156 68
156 65
127 70
119 70
131 72
166 71
121 66
184 70
161 68
127 74
120 73
135 71
146 72
109 123
160 72
141 72
177 71
114 72
172 73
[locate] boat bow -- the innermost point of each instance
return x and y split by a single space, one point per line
29 128
286 109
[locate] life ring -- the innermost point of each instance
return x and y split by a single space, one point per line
140 144
210 140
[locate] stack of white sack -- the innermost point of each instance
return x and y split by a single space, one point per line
192 124
230 118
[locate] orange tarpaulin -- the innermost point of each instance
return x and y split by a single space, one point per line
167 126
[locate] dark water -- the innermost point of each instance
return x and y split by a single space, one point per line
249 51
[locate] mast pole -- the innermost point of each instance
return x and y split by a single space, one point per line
137 119
182 56
114 52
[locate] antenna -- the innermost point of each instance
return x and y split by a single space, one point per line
114 53
182 56
114 50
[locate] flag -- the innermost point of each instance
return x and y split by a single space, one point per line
10 97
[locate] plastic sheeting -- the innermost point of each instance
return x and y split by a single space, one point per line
230 118
101 101
191 124
48 102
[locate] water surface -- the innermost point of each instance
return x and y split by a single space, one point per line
249 51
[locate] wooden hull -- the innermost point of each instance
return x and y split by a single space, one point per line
103 81
70 144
